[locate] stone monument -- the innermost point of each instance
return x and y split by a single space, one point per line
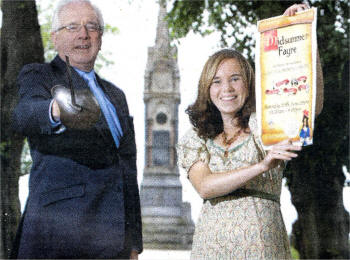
166 219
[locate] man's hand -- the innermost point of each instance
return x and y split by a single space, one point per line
134 255
295 8
55 111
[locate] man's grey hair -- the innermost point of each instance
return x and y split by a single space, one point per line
56 23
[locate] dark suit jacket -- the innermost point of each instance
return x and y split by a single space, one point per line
83 194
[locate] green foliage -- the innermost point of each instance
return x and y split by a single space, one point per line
184 16
295 253
110 29
235 20
44 13
102 60
333 25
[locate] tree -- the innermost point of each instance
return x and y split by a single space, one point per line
315 179
20 44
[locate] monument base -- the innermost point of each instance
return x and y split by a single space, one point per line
169 233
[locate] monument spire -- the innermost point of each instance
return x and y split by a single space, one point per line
162 37
166 219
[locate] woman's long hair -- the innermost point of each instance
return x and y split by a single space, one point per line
203 114
306 119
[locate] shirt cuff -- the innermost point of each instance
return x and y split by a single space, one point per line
55 124
52 121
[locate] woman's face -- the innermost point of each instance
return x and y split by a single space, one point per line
227 90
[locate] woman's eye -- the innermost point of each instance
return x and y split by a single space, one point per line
235 79
216 82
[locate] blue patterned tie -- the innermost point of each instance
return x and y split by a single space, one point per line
107 108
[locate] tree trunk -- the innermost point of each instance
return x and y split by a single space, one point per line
316 179
20 44
319 232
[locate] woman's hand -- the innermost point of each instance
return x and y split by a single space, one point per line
279 151
295 8
134 255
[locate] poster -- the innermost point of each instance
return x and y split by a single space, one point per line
286 78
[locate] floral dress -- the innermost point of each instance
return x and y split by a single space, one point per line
237 226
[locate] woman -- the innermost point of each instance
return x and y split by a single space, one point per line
223 155
305 131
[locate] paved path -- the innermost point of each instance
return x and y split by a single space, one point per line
149 254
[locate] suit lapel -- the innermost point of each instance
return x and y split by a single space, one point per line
61 69
114 99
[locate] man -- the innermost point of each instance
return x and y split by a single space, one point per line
83 195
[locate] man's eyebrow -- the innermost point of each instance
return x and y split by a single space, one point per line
73 23
78 23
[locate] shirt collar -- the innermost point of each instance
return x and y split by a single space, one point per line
86 75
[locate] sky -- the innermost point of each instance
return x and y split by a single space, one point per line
137 21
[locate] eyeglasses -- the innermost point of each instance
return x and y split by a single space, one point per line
90 27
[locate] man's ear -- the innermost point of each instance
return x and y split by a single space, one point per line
53 39
99 47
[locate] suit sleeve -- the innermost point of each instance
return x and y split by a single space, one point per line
31 115
132 197
133 211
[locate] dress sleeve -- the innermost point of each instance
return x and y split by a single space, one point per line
191 149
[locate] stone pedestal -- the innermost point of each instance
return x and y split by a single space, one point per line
166 220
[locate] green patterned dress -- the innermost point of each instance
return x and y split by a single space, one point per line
237 226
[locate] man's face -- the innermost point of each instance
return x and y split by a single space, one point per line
81 46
